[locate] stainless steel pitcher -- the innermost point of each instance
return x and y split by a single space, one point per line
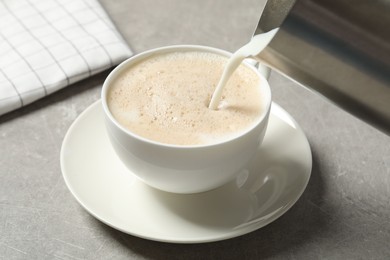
339 48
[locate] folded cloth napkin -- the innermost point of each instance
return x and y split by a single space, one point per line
46 45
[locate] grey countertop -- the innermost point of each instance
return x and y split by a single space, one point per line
343 214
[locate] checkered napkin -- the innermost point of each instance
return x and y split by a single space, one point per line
46 45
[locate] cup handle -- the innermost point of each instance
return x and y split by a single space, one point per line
264 70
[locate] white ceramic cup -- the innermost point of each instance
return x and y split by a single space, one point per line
184 168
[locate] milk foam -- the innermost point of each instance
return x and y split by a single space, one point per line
165 98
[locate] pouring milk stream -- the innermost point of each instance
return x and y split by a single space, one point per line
253 48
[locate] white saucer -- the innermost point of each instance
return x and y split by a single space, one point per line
270 185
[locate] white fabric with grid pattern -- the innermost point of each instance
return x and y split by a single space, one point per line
46 45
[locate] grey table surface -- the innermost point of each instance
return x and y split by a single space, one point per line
343 214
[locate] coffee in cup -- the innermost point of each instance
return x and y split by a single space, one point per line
165 98
166 86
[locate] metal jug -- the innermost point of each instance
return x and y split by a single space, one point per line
339 48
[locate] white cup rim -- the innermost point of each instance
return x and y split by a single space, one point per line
171 48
